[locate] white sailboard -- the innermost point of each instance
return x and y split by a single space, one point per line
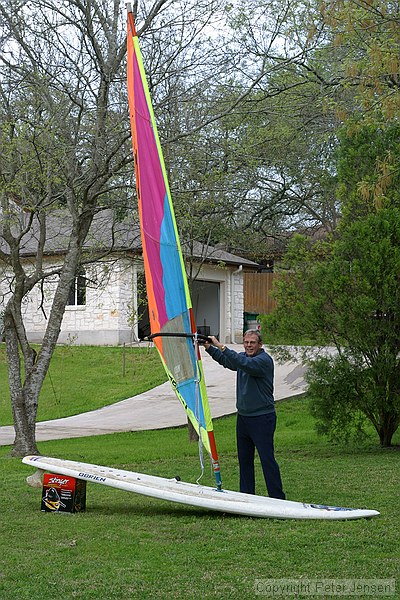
199 496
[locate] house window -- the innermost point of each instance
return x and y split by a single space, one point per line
77 293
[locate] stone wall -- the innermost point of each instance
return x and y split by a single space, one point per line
238 307
108 316
102 320
230 280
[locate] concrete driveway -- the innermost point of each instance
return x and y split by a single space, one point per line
158 408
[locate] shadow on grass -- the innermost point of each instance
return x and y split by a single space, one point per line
173 512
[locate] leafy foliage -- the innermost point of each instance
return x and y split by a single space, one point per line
348 292
368 35
368 160
340 392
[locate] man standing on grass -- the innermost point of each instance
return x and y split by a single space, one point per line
256 416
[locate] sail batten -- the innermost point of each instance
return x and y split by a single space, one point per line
170 307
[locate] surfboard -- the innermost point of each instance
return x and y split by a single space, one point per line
199 496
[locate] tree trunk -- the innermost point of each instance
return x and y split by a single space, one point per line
25 392
388 425
24 415
386 432
193 437
24 406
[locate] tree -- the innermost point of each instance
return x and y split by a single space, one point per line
368 163
287 140
318 65
65 146
367 35
345 293
258 154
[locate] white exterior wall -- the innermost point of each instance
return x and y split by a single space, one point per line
237 291
103 320
107 318
230 280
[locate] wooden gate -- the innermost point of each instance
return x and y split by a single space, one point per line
257 293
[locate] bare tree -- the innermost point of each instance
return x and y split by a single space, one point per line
65 147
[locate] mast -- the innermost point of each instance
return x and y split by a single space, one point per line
170 307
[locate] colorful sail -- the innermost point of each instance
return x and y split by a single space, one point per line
170 307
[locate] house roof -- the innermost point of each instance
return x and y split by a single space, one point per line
107 234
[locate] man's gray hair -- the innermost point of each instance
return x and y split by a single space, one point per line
256 332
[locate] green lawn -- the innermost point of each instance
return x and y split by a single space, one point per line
83 378
128 546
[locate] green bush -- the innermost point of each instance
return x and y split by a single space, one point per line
345 293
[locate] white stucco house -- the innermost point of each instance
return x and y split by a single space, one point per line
107 303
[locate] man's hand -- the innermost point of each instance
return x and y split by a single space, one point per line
214 342
217 343
207 344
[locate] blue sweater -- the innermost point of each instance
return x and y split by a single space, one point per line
254 382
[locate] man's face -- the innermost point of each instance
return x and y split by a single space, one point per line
251 344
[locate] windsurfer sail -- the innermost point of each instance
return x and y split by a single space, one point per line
170 308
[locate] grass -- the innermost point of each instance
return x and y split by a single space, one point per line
128 546
83 378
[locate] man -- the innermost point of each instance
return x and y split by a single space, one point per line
256 416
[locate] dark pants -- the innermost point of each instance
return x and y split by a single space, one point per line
258 432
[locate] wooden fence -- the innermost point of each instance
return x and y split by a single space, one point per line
257 293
